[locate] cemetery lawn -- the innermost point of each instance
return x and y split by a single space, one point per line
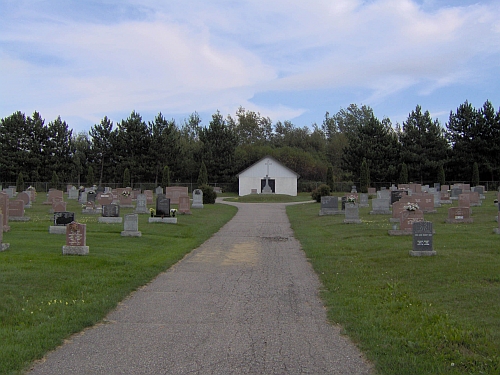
410 315
45 296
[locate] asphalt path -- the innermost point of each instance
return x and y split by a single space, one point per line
245 302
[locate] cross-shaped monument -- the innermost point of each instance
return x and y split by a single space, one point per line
267 189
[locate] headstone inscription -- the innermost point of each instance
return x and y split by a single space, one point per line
408 217
329 206
76 237
184 205
422 239
197 198
445 197
352 214
457 215
141 204
131 226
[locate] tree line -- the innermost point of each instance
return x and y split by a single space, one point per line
351 145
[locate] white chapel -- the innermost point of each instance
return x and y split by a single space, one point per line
269 176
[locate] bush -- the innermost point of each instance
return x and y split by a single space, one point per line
209 195
323 190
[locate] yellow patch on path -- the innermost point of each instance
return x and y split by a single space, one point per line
243 253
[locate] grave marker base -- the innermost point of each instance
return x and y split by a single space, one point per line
462 221
414 253
168 220
57 229
352 221
381 212
130 233
75 250
330 211
19 218
92 211
110 220
397 232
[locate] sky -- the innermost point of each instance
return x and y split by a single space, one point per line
289 60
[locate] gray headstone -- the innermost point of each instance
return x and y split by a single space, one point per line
422 239
141 204
363 200
352 214
131 226
197 198
381 206
111 210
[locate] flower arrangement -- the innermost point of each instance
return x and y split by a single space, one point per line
411 207
173 211
91 192
126 193
30 188
351 199
152 211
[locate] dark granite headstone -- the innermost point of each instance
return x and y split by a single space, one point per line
396 195
63 218
162 206
111 210
422 239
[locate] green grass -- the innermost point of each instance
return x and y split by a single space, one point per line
45 296
270 198
429 315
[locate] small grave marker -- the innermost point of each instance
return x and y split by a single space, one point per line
76 237
352 214
197 198
329 206
131 226
422 239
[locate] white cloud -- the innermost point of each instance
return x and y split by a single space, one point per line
190 56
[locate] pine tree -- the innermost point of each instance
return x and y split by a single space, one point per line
329 176
203 175
475 174
55 180
440 175
165 176
126 178
364 177
20 182
90 176
403 174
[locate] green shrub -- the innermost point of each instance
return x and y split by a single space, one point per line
322 191
209 195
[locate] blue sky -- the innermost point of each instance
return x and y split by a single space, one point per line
287 59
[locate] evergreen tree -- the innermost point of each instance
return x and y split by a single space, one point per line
90 176
440 175
218 149
202 175
329 177
364 177
20 182
377 142
103 148
55 180
403 174
126 178
475 174
165 177
424 146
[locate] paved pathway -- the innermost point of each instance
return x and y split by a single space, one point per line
244 302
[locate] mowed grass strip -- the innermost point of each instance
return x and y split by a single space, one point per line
45 296
428 315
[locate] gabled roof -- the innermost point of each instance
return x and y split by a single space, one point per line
274 160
